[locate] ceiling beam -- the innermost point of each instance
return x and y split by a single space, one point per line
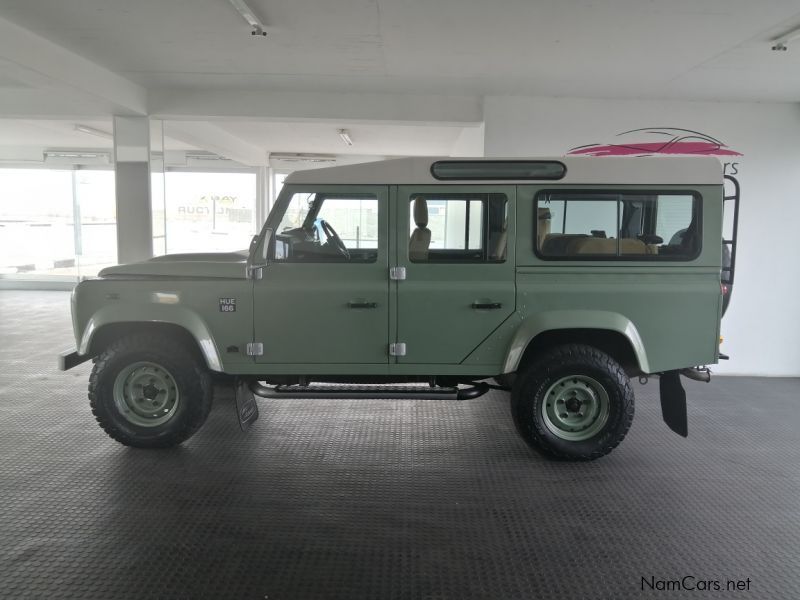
58 81
213 138
400 109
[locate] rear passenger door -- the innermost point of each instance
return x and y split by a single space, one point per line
456 246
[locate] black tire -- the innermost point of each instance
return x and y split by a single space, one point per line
542 379
192 382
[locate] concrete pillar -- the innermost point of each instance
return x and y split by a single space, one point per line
132 174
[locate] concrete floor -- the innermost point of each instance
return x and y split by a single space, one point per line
384 499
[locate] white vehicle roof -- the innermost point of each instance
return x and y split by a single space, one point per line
644 170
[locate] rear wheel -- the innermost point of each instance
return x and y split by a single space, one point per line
575 402
149 391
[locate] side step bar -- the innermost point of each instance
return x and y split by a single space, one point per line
368 392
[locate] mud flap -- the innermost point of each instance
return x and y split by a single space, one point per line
246 407
673 402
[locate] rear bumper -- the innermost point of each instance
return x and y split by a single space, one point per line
70 358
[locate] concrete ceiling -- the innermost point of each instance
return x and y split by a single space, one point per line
255 140
682 49
370 139
406 78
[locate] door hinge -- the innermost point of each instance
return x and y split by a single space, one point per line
397 273
255 349
397 349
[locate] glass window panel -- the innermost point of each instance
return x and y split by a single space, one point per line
674 215
36 222
209 212
487 169
458 228
305 233
645 225
96 245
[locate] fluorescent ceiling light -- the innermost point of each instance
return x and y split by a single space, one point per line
205 156
345 135
93 131
249 16
302 157
779 43
208 159
76 157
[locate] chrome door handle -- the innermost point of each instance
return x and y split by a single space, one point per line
354 304
487 305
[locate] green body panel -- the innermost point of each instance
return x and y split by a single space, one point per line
544 320
301 309
668 310
189 303
435 318
222 265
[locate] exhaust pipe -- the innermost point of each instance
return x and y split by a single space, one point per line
702 374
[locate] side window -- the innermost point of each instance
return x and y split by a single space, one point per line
318 227
618 225
458 227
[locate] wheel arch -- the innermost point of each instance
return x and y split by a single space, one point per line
610 332
104 327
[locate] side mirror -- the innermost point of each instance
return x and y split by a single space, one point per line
259 251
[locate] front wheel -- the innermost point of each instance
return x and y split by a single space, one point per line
149 391
575 402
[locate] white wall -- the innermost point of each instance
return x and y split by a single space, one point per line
762 326
470 142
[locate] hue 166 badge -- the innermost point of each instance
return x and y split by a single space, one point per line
227 305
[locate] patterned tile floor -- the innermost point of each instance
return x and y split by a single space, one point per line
384 499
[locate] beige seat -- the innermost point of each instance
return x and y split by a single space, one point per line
501 245
421 237
596 245
543 229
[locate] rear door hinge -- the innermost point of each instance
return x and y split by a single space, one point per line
397 273
255 349
397 349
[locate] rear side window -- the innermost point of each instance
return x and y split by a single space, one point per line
605 225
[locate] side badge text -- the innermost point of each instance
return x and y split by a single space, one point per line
227 305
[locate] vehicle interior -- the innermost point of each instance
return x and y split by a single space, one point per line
645 225
310 229
458 227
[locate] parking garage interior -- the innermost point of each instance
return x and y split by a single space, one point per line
138 130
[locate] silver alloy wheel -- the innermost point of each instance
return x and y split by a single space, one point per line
146 394
575 408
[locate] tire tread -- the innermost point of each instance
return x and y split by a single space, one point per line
196 373
544 366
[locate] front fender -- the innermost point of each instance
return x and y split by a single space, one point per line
573 319
156 312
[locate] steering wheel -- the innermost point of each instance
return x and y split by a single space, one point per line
334 237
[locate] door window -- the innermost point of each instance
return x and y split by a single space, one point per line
328 228
458 227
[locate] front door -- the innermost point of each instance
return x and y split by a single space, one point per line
456 244
324 297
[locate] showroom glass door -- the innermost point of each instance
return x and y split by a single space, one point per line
324 297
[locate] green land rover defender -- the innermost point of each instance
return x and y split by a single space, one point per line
423 278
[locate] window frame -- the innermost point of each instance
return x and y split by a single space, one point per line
324 194
697 213
484 228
